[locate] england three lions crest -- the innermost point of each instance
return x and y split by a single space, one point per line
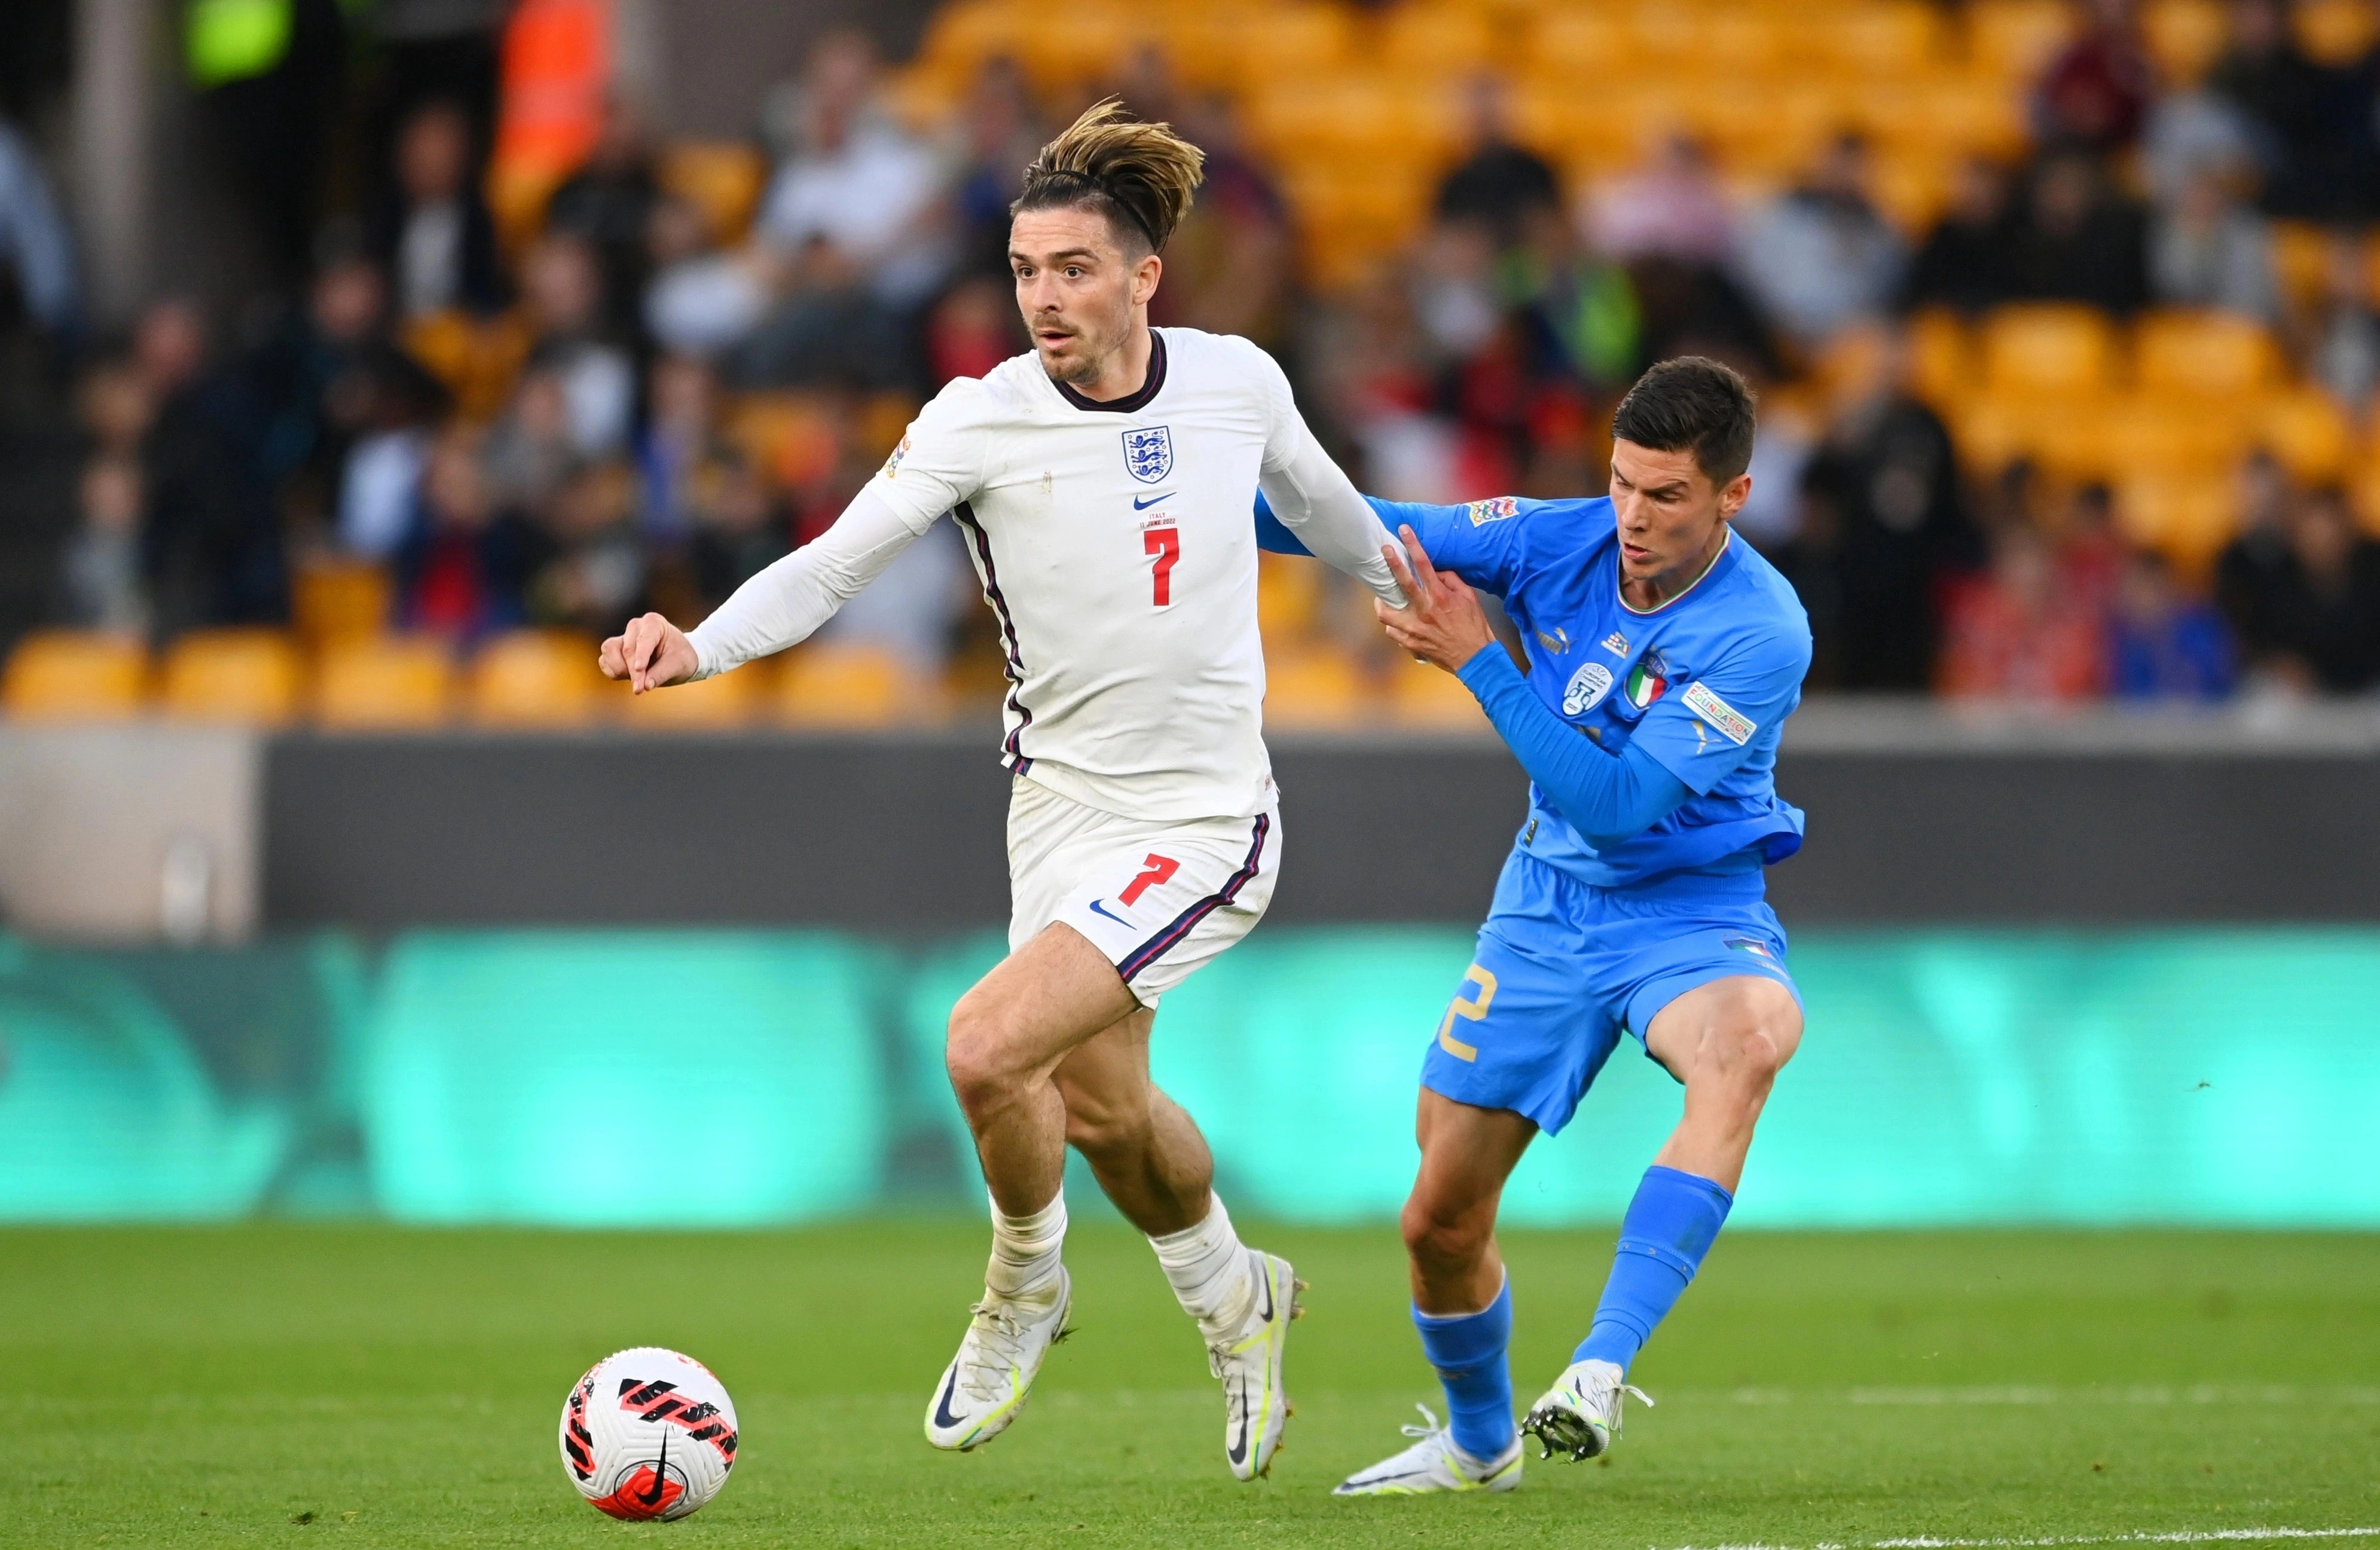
1149 453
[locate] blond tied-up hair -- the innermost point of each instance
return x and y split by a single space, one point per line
1140 176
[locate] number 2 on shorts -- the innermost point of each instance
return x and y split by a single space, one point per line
1470 1010
1164 546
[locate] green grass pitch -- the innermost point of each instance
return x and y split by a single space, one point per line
373 1386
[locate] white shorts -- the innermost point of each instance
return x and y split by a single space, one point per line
1158 896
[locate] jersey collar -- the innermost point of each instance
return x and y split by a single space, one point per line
1720 563
1131 402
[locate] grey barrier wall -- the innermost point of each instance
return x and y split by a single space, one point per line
1914 817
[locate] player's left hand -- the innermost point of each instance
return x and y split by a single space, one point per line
1444 623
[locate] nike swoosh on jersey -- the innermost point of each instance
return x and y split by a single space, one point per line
1139 504
1109 914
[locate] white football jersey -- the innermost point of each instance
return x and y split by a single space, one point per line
1116 544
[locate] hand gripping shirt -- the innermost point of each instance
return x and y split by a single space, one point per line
1113 541
1703 683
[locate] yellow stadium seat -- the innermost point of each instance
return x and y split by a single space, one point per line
1313 689
1429 698
1294 42
1756 130
245 675
2305 428
1580 44
2335 32
1942 115
1289 597
850 687
2156 434
1204 44
961 36
338 600
1942 358
722 178
2009 41
477 359
1421 38
2363 487
2047 348
75 675
2187 519
1912 190
1741 44
731 699
2184 37
1092 45
536 678
1879 41
1360 119
2302 257
383 684
2216 353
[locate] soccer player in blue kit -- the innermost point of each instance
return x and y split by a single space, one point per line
1664 657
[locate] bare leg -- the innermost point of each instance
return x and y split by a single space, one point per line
1007 1036
1726 1041
1146 1151
1450 1219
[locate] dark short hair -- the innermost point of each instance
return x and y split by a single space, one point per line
1692 403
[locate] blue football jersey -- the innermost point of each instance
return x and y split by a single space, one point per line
1703 682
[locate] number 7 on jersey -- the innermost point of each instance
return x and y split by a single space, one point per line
1163 545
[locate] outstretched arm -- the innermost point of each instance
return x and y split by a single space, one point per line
1316 503
1478 541
1605 799
784 604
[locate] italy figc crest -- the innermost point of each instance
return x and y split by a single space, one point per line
1148 452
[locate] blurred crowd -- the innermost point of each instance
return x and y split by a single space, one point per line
676 364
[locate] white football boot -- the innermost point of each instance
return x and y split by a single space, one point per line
1255 1407
1580 1414
985 1386
1434 1463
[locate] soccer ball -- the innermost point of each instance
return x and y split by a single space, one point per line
649 1433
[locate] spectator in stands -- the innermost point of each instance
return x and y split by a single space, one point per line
531 451
102 569
2304 596
36 252
2194 131
341 410
561 287
434 236
1963 264
856 183
971 330
996 134
739 528
1229 267
1821 255
609 202
702 299
680 437
2098 88
2303 115
2209 250
2164 643
210 548
2343 348
1672 208
463 562
2078 239
2017 632
595 577
1896 525
1498 184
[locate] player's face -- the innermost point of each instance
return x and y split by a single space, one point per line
1078 289
1672 519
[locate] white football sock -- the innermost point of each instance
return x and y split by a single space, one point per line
1210 1270
1025 1249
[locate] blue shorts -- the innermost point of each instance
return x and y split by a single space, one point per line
1563 968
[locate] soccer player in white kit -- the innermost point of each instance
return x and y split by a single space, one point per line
1102 483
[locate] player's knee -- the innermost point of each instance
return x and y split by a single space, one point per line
976 1054
1755 1049
1439 1239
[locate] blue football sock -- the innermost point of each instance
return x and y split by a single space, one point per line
1468 1351
1668 1228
